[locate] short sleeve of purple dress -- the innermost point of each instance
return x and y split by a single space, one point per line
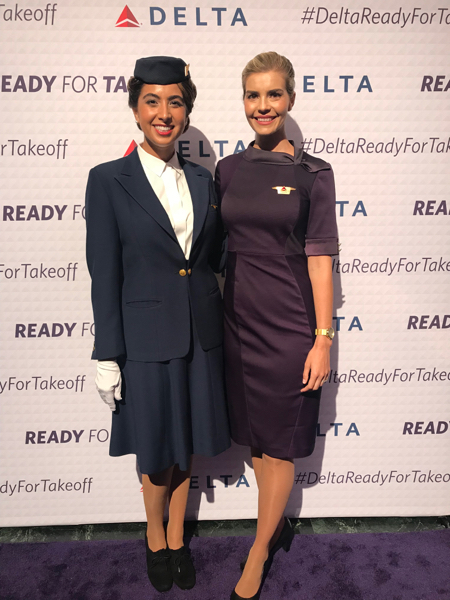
278 210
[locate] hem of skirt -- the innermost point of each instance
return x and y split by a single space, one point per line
276 453
170 464
213 453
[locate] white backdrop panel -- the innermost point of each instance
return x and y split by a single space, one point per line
372 99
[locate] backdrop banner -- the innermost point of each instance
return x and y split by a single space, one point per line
373 88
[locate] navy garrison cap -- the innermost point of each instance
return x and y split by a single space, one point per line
161 70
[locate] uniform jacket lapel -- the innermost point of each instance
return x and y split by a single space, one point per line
133 179
199 189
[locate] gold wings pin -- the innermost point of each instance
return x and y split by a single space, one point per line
283 189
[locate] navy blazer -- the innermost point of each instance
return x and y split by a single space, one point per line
143 288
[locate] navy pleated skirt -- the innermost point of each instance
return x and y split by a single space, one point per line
171 410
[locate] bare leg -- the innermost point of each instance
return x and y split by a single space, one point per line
178 495
257 461
275 485
156 489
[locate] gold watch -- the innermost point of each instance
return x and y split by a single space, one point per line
328 332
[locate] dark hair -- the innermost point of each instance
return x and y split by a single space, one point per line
188 91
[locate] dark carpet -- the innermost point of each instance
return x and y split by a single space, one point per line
366 566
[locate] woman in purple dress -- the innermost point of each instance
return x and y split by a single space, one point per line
278 206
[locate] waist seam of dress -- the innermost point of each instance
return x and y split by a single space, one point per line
296 424
298 289
242 366
266 253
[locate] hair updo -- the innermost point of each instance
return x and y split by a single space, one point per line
271 61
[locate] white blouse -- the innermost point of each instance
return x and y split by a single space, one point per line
169 184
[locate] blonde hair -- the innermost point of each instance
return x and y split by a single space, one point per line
271 61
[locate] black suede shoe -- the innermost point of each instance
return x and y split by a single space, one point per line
183 570
158 568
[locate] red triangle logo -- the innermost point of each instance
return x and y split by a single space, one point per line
127 19
131 147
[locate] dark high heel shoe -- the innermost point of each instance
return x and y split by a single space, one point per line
266 567
183 570
235 596
284 541
158 568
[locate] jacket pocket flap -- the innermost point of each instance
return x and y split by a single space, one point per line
152 303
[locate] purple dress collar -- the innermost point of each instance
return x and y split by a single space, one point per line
253 154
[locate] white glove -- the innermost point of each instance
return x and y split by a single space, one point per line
108 382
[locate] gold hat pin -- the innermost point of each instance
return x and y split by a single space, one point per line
186 70
283 189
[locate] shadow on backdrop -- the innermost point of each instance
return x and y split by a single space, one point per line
308 470
195 146
293 131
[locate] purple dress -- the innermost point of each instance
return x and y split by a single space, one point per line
268 300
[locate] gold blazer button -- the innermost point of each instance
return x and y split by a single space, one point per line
189 271
182 272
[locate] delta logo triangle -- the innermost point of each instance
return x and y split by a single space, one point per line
127 19
130 149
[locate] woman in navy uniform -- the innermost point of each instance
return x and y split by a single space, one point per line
278 205
153 241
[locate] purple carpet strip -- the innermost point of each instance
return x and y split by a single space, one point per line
375 566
